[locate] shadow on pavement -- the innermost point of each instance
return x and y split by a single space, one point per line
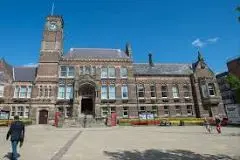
9 155
154 154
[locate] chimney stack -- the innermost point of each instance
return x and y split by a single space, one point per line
150 60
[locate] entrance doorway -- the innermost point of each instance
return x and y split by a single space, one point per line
43 117
87 106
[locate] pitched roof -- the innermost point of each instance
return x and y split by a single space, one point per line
162 69
223 74
24 73
95 53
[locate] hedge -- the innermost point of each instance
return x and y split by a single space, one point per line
174 121
8 122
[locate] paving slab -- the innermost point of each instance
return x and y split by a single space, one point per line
125 143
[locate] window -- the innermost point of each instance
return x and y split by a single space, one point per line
87 70
69 92
164 91
175 91
112 109
61 92
104 73
124 92
29 91
142 109
1 90
112 92
40 91
178 110
211 89
81 70
26 112
140 91
13 111
93 70
16 92
45 91
20 111
68 112
104 111
154 111
204 90
67 71
123 73
166 110
125 112
50 91
104 92
186 91
111 72
153 90
23 92
189 110
63 71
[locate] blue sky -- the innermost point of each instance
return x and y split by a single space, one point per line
169 29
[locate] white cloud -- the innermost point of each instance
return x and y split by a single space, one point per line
31 65
198 43
213 40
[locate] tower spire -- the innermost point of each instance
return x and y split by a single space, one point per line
200 57
52 10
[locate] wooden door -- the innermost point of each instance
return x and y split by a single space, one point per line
43 117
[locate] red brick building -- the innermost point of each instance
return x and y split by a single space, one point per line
99 81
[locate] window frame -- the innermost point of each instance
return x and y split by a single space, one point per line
186 91
110 92
125 110
191 109
212 86
178 110
68 94
153 91
139 86
122 71
104 110
62 93
122 91
166 109
109 72
105 92
103 72
175 93
164 91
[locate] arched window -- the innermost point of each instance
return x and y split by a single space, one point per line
141 90
175 91
186 90
123 72
164 90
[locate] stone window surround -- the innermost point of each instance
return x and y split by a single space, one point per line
107 92
106 72
67 72
45 91
65 91
24 111
18 91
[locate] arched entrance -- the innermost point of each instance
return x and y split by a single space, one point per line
87 93
43 117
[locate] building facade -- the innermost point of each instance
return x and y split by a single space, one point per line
97 82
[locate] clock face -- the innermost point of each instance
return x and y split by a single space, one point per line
52 26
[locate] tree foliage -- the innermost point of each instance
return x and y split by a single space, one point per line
238 10
235 85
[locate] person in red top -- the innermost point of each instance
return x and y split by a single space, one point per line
218 124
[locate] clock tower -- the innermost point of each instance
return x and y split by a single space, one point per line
51 49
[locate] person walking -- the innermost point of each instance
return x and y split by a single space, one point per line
17 132
218 124
207 125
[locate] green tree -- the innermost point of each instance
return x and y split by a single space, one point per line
235 85
238 10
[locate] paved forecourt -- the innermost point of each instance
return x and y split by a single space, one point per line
150 143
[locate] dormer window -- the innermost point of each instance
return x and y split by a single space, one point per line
211 89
